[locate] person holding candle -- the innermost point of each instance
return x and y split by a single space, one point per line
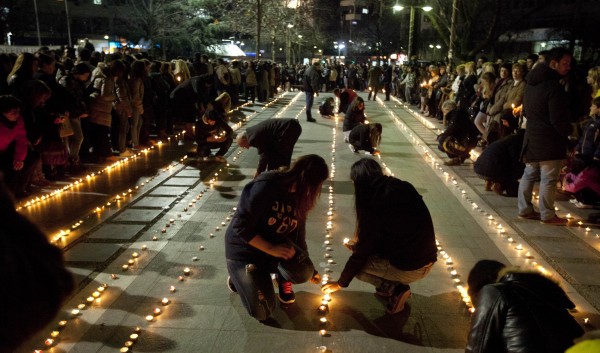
394 242
518 311
365 137
267 235
213 131
274 139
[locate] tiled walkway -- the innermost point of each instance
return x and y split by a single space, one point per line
178 223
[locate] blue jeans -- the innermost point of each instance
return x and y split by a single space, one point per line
310 98
256 288
547 172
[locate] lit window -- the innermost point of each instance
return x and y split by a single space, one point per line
97 2
365 11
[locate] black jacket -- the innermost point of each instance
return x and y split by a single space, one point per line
500 160
546 106
353 118
396 225
275 140
360 138
523 312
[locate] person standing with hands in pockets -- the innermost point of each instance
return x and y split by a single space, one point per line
311 84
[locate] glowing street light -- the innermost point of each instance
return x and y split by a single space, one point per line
411 30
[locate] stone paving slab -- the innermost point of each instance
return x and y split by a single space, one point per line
189 172
137 215
155 201
116 231
90 252
181 181
169 190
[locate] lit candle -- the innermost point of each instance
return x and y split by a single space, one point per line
75 312
172 289
346 241
133 336
586 320
54 334
81 306
144 247
149 318
125 267
323 332
130 262
128 343
195 258
90 299
201 247
164 301
156 311
96 294
155 238
180 278
135 255
49 342
124 350
62 323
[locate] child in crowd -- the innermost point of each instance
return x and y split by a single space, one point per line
13 140
584 180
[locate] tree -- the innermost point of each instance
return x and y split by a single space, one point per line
177 27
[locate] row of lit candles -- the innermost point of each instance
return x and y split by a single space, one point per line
323 308
94 298
501 231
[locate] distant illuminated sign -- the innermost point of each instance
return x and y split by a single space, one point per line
365 11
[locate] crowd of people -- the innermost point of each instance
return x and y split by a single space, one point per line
62 109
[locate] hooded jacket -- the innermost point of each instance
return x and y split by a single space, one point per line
523 312
395 225
546 106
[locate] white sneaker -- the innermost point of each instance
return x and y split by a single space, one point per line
352 148
579 204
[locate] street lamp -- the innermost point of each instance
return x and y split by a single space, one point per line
68 22
107 43
288 44
411 29
340 47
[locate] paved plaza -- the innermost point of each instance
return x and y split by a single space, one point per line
165 243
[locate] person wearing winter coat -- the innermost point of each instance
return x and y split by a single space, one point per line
101 98
394 244
460 137
519 312
546 106
365 137
354 116
311 85
374 81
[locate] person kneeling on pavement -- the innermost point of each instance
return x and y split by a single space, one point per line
365 137
395 241
326 107
518 311
460 137
212 131
268 235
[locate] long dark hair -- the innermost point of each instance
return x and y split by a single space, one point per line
375 134
362 173
307 173
354 105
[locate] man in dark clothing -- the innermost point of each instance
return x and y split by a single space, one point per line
387 81
190 98
274 139
546 106
312 82
213 132
395 239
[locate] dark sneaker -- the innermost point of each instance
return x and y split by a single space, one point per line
386 290
311 120
556 221
398 299
533 215
286 293
230 285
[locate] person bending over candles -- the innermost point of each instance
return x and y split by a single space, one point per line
275 140
394 243
267 235
365 137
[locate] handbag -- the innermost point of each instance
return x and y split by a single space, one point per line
66 128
